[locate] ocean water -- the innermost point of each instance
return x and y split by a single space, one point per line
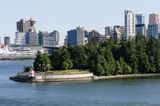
119 92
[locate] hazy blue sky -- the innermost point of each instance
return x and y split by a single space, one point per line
64 15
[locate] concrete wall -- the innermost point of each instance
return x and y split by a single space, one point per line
64 77
69 76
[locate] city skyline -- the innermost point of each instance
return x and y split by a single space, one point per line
66 15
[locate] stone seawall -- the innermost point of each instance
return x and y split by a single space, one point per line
76 77
54 78
126 76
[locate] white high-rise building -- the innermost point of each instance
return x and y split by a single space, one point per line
108 31
81 39
52 39
20 38
56 36
129 25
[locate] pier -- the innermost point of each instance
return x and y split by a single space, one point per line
17 56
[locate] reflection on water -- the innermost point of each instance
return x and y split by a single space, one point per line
121 92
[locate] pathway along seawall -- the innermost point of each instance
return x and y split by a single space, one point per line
43 77
60 78
22 77
127 76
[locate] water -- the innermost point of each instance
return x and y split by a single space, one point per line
131 92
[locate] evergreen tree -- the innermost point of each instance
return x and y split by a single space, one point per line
128 52
42 62
110 59
99 70
56 59
118 69
105 58
66 60
157 60
143 62
79 57
125 68
152 47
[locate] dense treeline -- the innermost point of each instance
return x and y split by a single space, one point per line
108 58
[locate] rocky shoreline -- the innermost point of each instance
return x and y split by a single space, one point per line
24 77
77 77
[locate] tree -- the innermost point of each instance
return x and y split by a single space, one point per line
98 62
106 58
154 54
66 60
157 60
128 52
102 61
118 69
143 62
56 59
99 70
42 62
28 68
79 57
110 60
125 68
65 65
61 59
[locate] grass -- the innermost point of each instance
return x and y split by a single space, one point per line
65 71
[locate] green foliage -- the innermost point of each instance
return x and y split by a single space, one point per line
110 60
42 62
153 52
118 69
99 70
65 65
78 56
56 59
131 57
125 68
66 60
61 59
106 58
27 68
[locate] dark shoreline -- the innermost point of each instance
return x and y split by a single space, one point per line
93 78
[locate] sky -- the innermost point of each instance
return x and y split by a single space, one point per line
64 15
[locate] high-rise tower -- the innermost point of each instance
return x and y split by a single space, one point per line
154 26
140 25
129 24
154 19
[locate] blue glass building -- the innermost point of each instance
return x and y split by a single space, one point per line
72 37
140 19
140 25
153 31
77 36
